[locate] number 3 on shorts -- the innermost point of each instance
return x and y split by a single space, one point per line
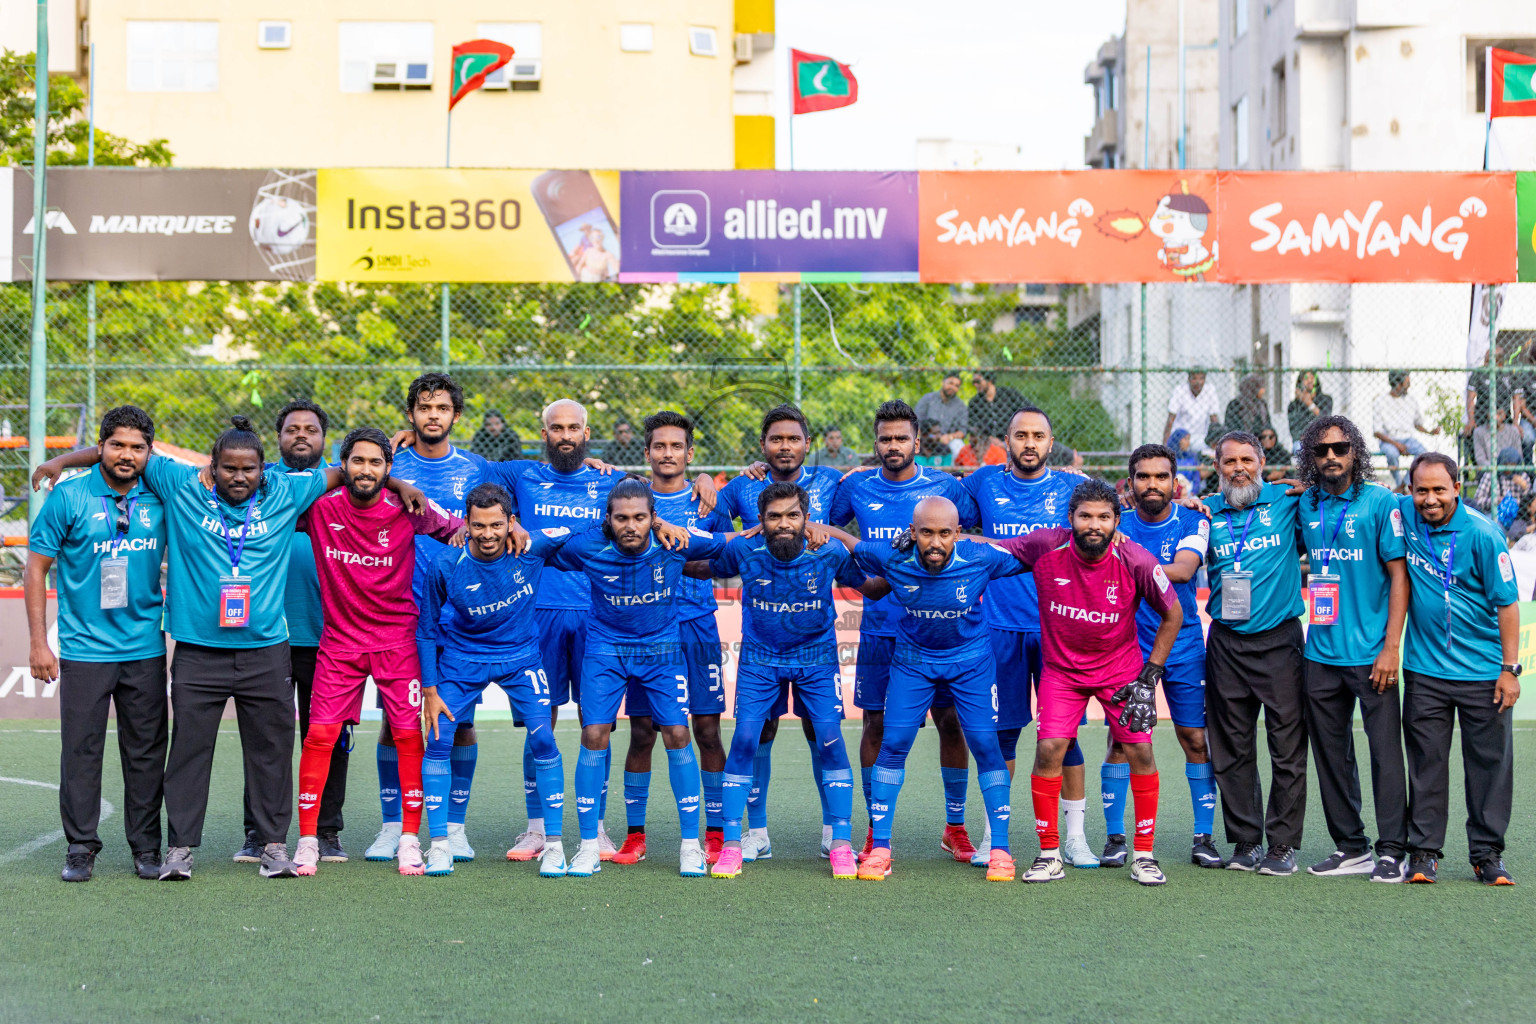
682 689
413 693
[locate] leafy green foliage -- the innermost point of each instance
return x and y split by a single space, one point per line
69 132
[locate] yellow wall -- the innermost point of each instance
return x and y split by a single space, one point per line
754 16
598 106
754 142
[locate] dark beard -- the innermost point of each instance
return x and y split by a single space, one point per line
303 462
786 549
1016 464
1092 549
362 495
562 462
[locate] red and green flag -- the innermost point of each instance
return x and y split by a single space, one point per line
472 62
1511 84
821 83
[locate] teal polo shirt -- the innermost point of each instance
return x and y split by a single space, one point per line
1366 532
1269 552
197 521
77 529
1483 581
301 597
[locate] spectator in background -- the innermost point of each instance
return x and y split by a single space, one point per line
992 409
495 441
1189 462
1192 408
1395 418
1277 459
832 452
948 410
932 450
1309 404
1505 442
1248 412
626 449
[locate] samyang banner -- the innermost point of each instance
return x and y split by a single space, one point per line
734 225
165 224
469 225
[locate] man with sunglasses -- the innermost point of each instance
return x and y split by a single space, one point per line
1356 600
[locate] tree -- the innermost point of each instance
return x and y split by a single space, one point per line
69 132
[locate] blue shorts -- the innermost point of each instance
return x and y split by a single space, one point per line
818 691
526 686
466 720
1018 661
970 686
872 675
661 675
788 699
703 658
562 638
1184 690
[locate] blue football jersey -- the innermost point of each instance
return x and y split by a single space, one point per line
547 499
1011 507
883 509
738 499
1185 530
695 598
445 480
788 615
943 623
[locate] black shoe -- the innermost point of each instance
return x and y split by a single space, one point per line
330 847
1389 868
1421 868
275 862
1280 860
1245 857
1115 852
1204 853
147 865
1492 872
1340 862
250 853
79 861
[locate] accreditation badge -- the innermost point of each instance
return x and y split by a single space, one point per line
114 583
1236 596
234 601
1322 599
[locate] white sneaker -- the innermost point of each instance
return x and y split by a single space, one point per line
826 842
755 846
552 863
440 858
386 843
1076 851
691 860
527 846
306 858
605 846
1145 870
587 861
410 856
1046 868
983 855
458 842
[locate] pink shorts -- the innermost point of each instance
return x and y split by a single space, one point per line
337 695
1061 707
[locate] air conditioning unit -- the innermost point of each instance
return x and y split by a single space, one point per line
496 79
402 73
743 48
520 70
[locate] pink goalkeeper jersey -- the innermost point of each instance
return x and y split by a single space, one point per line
1088 609
365 558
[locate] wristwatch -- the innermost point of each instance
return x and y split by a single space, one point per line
1513 670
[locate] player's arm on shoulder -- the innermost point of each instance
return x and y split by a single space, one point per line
821 533
704 493
965 503
80 459
1001 563
163 475
1029 547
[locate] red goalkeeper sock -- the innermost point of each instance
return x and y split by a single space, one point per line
314 769
1046 794
409 743
1144 792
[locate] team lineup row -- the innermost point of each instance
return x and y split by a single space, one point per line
575 582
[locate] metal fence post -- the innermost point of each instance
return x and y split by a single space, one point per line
799 361
90 354
443 342
37 389
1142 324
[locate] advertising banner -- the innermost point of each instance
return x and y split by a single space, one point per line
1525 228
1429 226
162 224
469 225
730 225
1068 226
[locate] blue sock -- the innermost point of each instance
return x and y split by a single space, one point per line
435 783
994 788
955 780
602 800
1202 793
885 785
551 780
389 781
531 785
1115 781
762 772
816 776
865 774
712 807
462 762
836 781
684 772
733 799
589 782
637 793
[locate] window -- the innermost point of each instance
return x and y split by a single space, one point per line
385 54
1477 67
1240 132
635 37
527 66
1239 19
274 35
1111 101
701 42
173 56
1277 102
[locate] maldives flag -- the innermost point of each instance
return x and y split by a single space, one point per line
821 83
1511 84
472 61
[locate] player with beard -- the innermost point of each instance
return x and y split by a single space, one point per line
365 571
883 503
1014 500
1178 538
1091 591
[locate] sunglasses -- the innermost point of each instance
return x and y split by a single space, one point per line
122 516
1337 448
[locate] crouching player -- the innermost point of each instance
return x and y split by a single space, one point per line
488 638
789 635
1089 592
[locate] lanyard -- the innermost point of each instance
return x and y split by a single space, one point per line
1448 578
236 550
1328 542
1237 557
118 538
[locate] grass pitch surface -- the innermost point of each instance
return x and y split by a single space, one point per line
494 942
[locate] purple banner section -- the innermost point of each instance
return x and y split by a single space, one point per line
768 222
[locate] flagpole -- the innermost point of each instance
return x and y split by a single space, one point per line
444 353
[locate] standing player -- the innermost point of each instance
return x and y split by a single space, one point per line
883 503
1177 537
365 566
1013 500
1088 632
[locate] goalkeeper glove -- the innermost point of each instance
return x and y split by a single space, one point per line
1140 699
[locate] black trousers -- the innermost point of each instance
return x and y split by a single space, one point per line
202 680
1244 674
335 792
137 689
1430 709
1332 691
